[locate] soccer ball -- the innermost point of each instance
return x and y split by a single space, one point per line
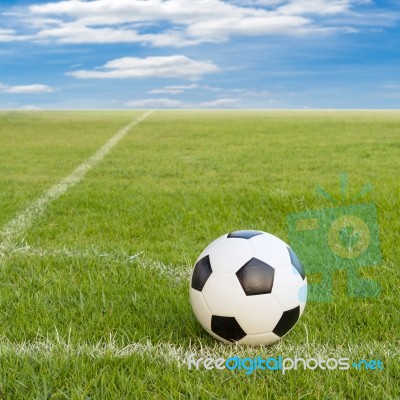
248 287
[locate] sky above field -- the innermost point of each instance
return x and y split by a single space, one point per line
199 54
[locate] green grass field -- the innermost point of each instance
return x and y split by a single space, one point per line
94 289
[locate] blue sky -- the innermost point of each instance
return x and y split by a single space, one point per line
78 54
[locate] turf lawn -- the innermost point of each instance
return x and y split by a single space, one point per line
94 297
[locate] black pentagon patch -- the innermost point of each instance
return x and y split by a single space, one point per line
227 328
201 273
256 277
287 321
244 234
296 263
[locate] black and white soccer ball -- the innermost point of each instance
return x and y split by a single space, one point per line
248 287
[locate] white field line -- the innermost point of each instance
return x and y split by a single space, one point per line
23 221
171 353
168 352
50 348
171 272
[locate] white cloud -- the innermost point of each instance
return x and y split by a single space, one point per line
212 88
109 12
9 35
157 103
77 32
179 89
39 22
321 7
174 89
265 3
30 107
176 66
174 104
223 28
296 7
28 89
251 93
176 22
221 103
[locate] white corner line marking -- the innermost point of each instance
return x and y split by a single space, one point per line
175 353
23 221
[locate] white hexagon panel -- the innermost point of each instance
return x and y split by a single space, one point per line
289 288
